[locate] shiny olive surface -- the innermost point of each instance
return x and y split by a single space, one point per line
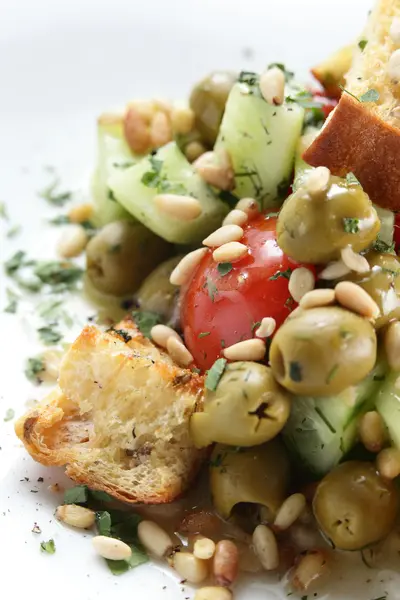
322 351
157 294
121 255
383 284
316 229
354 506
248 407
208 99
257 475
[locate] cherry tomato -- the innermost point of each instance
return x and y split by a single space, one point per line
223 304
396 233
328 104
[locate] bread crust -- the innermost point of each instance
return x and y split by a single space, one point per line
59 431
355 140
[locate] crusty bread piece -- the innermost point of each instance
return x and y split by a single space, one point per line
331 71
364 138
119 420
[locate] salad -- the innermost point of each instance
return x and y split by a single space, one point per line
248 378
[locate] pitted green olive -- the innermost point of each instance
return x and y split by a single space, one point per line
322 351
248 408
382 283
315 229
354 506
259 476
120 256
208 99
157 294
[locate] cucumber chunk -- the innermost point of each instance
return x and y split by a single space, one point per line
261 141
167 171
388 406
320 431
113 155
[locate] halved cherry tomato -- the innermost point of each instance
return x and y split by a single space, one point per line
328 104
396 232
221 308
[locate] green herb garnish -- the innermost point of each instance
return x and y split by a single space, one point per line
10 414
145 320
211 288
224 268
204 334
12 305
15 262
3 211
152 179
33 367
49 335
347 92
13 231
248 77
214 374
383 247
52 196
370 96
352 179
76 495
332 373
350 225
122 333
48 547
286 274
60 274
110 195
103 523
362 44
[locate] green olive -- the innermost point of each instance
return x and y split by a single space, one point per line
157 294
257 475
121 255
322 351
383 284
247 408
314 230
208 99
354 506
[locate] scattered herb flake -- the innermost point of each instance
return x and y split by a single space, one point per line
49 334
122 333
123 165
57 273
13 231
10 414
103 523
48 546
362 44
255 325
211 288
145 320
248 77
138 557
3 211
286 274
14 263
350 225
52 196
224 268
34 366
204 334
295 371
352 179
60 220
382 247
370 96
76 495
347 92
214 374
110 195
332 373
12 305
100 496
152 179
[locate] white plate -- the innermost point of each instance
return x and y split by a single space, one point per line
61 63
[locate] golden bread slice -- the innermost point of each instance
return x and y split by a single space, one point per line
119 420
364 137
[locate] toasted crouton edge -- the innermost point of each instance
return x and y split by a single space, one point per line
355 140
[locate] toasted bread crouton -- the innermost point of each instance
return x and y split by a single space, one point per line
119 420
331 72
363 137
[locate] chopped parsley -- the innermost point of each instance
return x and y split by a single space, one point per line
10 414
211 288
123 165
34 366
61 274
110 195
152 179
76 495
145 320
295 371
248 77
350 225
54 197
214 374
103 523
60 220
49 334
255 325
13 231
3 211
362 44
383 247
48 546
347 92
224 268
122 333
15 262
286 274
332 373
12 305
370 96
352 179
204 334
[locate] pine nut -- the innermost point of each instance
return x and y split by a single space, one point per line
355 298
160 130
136 131
194 150
178 352
81 213
219 176
317 298
236 217
372 431
272 85
395 112
160 334
334 270
189 567
185 208
72 242
310 569
392 345
76 516
301 281
204 548
111 548
253 349
388 463
223 235
230 252
154 538
354 261
182 120
394 31
290 511
225 563
317 182
249 206
186 267
213 593
267 327
394 65
266 547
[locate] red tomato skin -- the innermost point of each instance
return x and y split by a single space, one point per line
396 232
218 311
